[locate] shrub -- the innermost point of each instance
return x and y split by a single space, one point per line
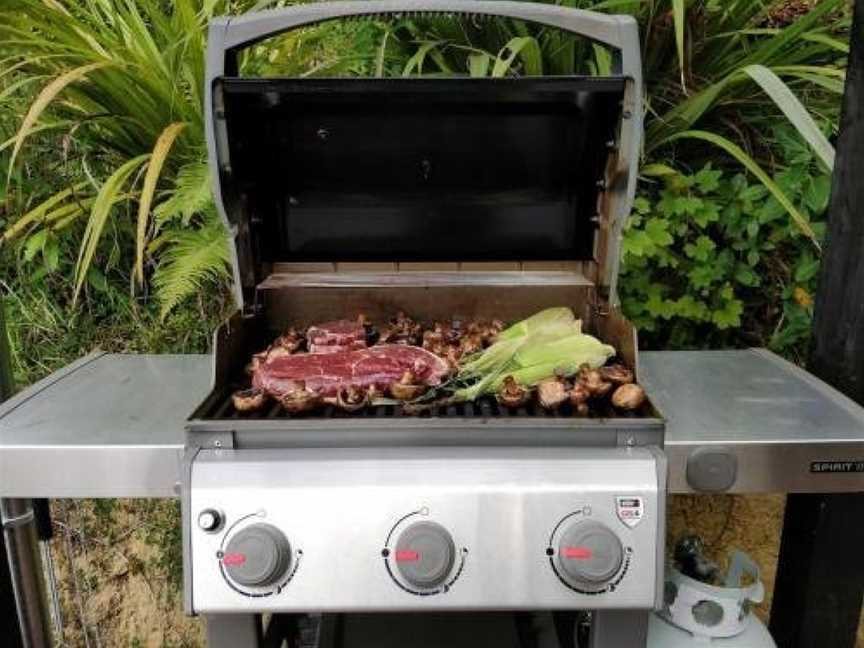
709 258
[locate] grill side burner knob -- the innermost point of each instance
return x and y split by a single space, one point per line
210 520
257 556
589 552
424 554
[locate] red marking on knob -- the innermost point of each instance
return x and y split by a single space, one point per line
577 553
234 559
407 556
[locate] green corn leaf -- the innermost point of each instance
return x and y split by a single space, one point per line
527 49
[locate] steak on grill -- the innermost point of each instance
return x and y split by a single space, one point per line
337 333
327 373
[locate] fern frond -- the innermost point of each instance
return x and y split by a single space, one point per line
191 194
191 259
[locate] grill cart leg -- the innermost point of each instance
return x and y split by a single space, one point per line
619 629
233 630
25 567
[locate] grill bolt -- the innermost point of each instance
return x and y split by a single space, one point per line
512 394
299 399
616 374
407 388
248 400
629 397
593 381
551 393
579 396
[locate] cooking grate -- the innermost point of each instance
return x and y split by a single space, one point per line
483 408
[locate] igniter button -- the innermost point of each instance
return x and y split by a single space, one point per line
210 520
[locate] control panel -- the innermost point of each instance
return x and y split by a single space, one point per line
425 529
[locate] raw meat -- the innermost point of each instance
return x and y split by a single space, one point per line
336 348
337 333
327 373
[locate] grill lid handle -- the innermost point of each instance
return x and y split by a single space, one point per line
228 35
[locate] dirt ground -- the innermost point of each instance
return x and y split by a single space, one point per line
118 563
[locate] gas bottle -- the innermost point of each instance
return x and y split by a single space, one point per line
697 614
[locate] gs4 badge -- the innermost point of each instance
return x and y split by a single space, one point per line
630 509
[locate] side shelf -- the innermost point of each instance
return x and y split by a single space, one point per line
113 426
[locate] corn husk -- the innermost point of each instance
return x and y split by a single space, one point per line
548 343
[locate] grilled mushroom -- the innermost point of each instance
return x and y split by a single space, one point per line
512 394
352 398
471 343
551 392
291 340
407 388
593 381
299 399
256 361
247 400
579 396
402 330
628 397
617 374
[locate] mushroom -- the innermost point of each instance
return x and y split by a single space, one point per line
471 343
512 394
551 392
352 398
617 374
291 340
256 361
247 400
298 399
593 381
629 397
579 396
407 388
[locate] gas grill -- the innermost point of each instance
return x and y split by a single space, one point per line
475 198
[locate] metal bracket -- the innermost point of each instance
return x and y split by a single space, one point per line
17 521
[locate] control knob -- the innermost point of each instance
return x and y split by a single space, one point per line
425 553
257 556
589 553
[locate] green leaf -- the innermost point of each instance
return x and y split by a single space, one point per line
657 230
806 269
478 64
794 110
701 250
97 280
528 51
708 179
746 277
817 191
191 259
109 194
735 151
678 19
51 254
34 244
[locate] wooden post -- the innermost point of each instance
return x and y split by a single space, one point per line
820 576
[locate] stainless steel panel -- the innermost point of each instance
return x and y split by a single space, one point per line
502 505
774 417
106 426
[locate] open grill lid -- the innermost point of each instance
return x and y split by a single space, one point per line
422 170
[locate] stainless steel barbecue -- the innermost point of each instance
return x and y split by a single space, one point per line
472 197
